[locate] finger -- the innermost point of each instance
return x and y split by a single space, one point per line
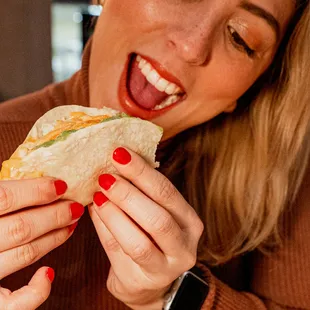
35 293
20 228
118 259
154 219
131 239
25 255
155 185
19 194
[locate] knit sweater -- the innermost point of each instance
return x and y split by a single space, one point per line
279 280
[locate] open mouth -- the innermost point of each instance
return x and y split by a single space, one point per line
147 90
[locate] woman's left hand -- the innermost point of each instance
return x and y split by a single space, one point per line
148 230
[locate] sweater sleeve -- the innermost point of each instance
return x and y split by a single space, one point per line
277 280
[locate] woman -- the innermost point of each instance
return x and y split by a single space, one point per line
236 75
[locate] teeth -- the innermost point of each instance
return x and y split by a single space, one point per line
147 68
162 84
171 88
155 79
169 101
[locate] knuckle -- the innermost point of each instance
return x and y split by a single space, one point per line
60 218
141 169
141 253
126 196
60 237
162 224
191 261
112 286
199 227
42 190
166 191
6 199
111 245
19 231
27 254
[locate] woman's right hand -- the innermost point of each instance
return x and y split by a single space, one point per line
33 221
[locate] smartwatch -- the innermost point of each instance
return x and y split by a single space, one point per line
188 292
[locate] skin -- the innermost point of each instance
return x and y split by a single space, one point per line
190 39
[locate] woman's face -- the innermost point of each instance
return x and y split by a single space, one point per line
180 63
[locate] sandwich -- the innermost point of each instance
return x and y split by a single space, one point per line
75 144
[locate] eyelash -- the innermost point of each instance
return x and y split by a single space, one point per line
239 43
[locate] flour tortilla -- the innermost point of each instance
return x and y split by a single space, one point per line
86 153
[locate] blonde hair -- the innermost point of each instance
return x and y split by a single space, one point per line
244 169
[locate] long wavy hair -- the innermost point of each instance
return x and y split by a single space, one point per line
240 171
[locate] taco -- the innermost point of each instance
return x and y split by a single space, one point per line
74 144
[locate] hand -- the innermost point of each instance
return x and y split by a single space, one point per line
33 221
29 297
147 229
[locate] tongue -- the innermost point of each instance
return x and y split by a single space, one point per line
141 91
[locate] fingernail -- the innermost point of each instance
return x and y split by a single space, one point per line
72 227
106 181
122 156
50 273
77 210
61 187
100 199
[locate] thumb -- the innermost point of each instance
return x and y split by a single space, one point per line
34 294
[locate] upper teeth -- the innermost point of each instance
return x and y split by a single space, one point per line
155 79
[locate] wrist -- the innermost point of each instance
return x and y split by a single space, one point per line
153 301
156 305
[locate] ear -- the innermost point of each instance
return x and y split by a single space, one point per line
230 108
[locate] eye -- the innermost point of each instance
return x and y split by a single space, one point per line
239 43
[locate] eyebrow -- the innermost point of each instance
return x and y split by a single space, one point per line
260 12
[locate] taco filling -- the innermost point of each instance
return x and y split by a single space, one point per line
61 130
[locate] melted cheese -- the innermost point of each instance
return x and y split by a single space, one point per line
76 121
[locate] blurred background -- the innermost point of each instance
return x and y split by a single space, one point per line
41 41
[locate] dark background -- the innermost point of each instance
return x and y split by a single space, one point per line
25 46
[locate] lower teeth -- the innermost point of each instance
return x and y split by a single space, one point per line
167 102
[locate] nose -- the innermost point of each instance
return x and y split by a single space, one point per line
191 45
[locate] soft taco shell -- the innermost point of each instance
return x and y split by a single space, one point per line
86 153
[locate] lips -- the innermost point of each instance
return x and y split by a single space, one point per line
138 97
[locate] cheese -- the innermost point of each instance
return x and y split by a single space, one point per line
62 129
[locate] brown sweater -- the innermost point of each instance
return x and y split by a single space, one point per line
280 280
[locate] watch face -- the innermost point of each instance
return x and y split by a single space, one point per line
191 294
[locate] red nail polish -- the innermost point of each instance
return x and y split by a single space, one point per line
100 199
106 181
122 156
77 210
61 187
72 227
50 273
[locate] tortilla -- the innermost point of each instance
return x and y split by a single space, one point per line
80 155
